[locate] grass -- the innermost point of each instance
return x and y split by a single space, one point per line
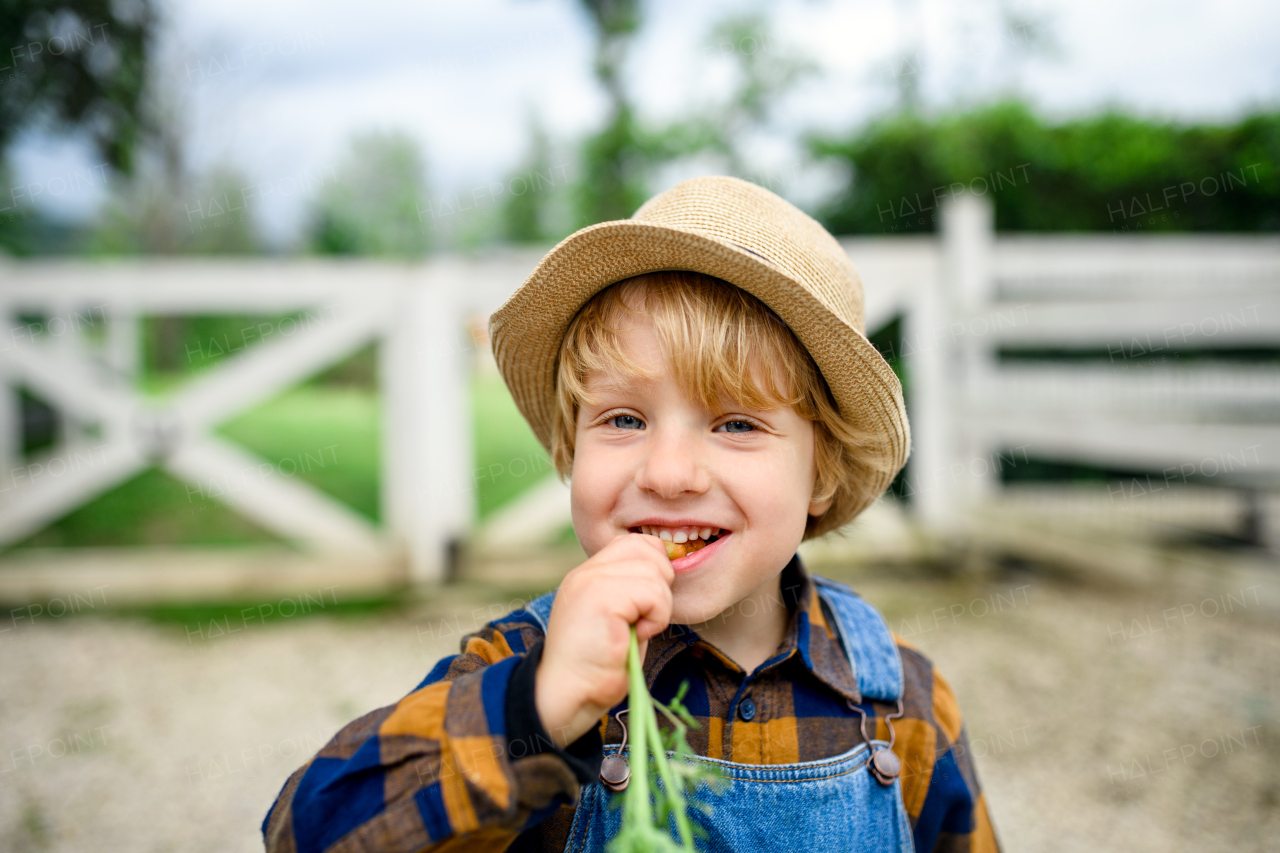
324 434
149 509
198 614
328 436
508 458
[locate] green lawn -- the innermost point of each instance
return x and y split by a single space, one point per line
508 457
327 435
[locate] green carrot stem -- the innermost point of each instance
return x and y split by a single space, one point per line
637 803
675 792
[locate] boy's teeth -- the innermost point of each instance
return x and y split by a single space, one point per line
680 535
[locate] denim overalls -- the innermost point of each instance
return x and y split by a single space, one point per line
829 804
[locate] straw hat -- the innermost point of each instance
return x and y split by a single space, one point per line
732 230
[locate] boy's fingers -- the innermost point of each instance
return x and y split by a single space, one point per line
651 542
644 544
658 547
647 628
652 550
647 597
653 606
649 550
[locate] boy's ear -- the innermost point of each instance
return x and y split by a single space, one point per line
817 509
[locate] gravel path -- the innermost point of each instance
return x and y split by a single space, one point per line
1090 732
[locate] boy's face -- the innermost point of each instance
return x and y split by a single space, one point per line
647 456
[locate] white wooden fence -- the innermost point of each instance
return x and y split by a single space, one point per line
417 314
1141 303
1150 308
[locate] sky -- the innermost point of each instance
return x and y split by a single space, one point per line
276 89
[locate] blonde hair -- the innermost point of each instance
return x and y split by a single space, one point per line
719 341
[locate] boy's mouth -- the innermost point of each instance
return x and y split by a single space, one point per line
682 541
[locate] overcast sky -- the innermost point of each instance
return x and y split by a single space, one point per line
276 87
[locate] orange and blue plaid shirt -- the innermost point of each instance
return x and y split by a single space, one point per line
463 762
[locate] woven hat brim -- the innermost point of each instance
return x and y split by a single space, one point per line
528 329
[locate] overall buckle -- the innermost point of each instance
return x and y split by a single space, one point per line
884 764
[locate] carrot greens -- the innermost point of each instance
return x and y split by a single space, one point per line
672 778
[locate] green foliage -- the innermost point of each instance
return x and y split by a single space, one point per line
614 167
80 64
40 423
644 826
146 215
766 70
1109 172
618 162
77 66
611 183
24 229
374 204
531 211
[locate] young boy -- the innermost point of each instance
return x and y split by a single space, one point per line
700 373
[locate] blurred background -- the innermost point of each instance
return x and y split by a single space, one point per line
258 472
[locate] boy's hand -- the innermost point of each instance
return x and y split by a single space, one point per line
583 671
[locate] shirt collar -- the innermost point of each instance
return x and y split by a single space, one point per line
809 638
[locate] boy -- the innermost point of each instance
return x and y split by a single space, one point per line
700 371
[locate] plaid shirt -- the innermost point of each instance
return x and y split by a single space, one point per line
463 759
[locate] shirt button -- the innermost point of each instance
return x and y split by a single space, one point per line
747 708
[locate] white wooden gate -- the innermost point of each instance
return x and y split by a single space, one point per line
417 314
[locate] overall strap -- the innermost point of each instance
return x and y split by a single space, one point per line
540 609
873 655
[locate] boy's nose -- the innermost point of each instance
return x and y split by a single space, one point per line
673 468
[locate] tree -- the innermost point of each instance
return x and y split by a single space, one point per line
375 204
78 64
70 66
149 214
617 161
527 209
612 183
766 71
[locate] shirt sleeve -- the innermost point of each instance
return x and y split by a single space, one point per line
463 756
940 787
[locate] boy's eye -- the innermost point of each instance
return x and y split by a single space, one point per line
626 422
738 426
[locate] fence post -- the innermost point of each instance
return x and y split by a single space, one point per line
942 357
968 247
428 494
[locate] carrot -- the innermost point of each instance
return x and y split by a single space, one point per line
676 550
